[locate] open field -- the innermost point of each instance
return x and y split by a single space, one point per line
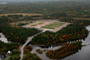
50 25
38 24
19 23
53 25
81 18
24 14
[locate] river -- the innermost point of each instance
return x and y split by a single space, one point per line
84 53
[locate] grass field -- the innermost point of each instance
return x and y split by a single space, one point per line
24 14
38 24
53 25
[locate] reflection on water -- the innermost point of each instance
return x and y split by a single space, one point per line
84 53
64 51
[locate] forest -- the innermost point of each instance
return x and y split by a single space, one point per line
72 32
85 22
4 47
64 11
63 8
64 51
16 34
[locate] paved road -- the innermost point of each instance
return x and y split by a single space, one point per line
22 48
42 56
28 40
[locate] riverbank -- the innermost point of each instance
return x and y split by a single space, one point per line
43 55
72 32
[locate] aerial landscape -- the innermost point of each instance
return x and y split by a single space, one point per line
44 30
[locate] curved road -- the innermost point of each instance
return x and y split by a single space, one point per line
28 40
22 48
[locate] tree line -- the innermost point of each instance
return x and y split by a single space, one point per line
72 32
16 34
64 51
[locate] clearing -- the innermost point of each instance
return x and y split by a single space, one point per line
53 25
49 25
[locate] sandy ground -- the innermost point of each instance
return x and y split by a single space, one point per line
42 56
64 25
39 25
45 22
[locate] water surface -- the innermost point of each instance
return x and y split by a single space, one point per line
84 53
